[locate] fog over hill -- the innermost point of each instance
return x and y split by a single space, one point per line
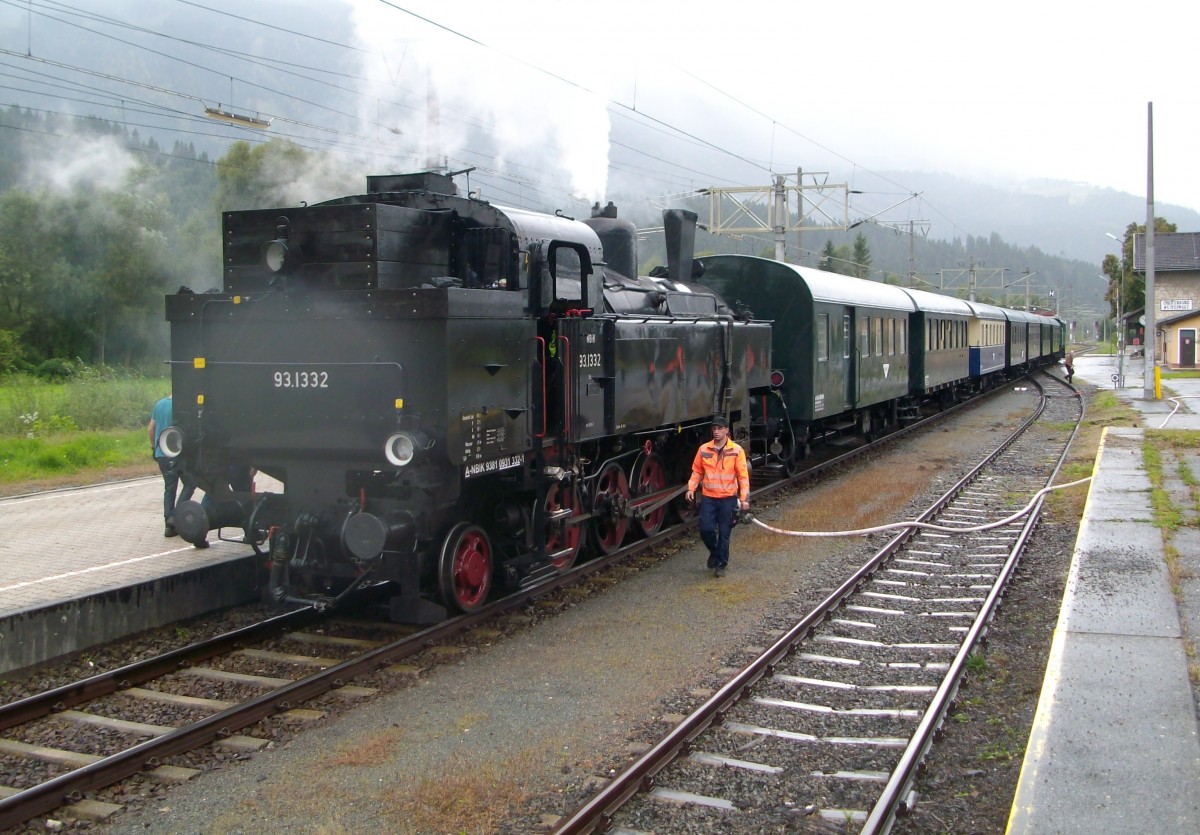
1060 218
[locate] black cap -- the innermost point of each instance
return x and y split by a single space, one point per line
720 420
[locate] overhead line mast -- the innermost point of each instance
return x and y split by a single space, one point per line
740 210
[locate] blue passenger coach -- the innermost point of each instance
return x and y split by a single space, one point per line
1019 326
986 336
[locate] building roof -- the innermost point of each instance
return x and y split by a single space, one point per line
1172 251
1177 318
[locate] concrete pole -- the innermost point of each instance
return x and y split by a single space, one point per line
800 216
1151 303
912 258
1120 334
780 219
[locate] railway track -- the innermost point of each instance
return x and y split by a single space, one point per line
93 733
831 723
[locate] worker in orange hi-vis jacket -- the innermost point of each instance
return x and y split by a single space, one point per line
720 470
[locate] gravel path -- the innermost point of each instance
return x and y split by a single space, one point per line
506 738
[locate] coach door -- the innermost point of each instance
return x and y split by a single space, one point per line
849 358
1187 348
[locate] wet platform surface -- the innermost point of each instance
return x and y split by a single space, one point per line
1115 745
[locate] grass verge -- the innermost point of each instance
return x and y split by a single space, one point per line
77 457
1171 478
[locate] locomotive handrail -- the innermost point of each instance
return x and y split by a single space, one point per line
566 363
542 362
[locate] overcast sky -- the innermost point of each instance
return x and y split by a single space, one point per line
1002 91
1017 89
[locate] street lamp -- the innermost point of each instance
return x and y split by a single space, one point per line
1120 324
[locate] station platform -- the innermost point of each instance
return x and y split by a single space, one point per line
1115 744
85 565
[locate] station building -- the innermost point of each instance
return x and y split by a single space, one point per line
1176 300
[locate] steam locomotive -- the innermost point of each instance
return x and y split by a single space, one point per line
457 396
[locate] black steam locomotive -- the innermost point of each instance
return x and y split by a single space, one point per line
456 396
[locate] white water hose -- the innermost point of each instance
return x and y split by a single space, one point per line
925 525
1178 406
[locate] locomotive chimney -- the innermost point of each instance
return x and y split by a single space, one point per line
679 226
618 237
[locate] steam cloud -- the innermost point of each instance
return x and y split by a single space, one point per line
483 95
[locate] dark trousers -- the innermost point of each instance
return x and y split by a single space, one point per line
716 523
171 486
241 480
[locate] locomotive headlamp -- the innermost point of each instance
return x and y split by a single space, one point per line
400 449
170 442
275 255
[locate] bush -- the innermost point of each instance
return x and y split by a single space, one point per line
55 370
37 426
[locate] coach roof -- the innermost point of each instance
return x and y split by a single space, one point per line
937 303
840 289
987 311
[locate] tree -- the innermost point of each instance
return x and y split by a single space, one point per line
83 267
10 351
255 177
1121 278
861 257
22 247
36 295
835 259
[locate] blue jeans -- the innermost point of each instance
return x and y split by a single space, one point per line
716 523
170 486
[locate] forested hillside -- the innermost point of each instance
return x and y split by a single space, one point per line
98 224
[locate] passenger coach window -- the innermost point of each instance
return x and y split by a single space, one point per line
877 337
846 336
890 337
864 337
822 337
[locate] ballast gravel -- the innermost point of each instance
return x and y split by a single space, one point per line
508 738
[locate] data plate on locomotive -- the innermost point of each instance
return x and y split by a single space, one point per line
495 465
